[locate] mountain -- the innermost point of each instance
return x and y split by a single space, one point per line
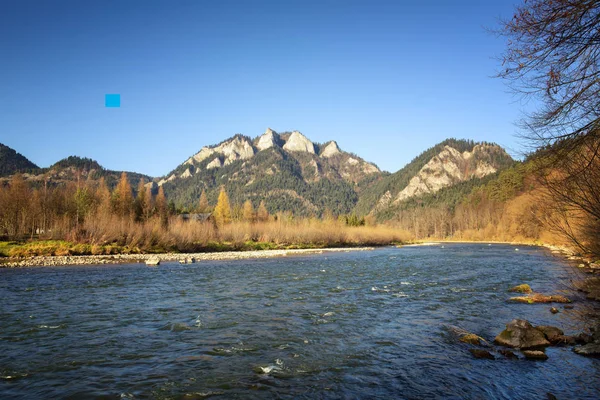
12 162
287 170
446 164
72 168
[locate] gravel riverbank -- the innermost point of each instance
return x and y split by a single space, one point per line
165 257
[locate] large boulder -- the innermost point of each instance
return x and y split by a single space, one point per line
520 334
551 333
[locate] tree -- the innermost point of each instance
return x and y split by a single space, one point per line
248 211
103 198
123 197
149 203
203 206
162 208
262 214
222 212
553 55
140 203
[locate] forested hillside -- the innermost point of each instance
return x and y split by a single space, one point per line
373 199
11 162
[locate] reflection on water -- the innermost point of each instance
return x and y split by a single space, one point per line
350 325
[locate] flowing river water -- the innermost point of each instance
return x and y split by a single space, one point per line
339 325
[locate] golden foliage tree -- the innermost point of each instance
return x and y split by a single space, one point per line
222 211
162 207
248 211
262 214
123 197
203 206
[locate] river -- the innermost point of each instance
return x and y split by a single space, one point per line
337 325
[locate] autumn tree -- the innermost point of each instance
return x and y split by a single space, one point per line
162 208
140 203
123 197
553 56
222 212
103 198
203 206
148 204
248 211
262 214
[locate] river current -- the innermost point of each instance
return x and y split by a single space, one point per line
371 324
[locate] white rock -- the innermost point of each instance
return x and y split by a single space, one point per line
446 168
330 150
216 163
266 140
299 142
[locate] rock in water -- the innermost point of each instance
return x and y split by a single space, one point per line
507 353
524 288
539 298
552 333
554 310
520 334
154 261
591 349
472 339
478 353
535 355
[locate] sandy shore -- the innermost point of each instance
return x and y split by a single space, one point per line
165 257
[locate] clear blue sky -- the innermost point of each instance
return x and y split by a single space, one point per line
385 79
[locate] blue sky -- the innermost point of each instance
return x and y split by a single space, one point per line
385 79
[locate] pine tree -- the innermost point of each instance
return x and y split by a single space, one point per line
222 211
248 211
203 207
123 198
262 213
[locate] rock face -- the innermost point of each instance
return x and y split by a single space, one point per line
445 169
266 140
330 150
237 148
216 163
299 142
521 334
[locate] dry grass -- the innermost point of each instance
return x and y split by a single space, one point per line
111 234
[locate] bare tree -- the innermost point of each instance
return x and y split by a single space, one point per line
553 55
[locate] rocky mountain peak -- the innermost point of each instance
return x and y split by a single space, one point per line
236 148
447 168
299 142
266 140
330 149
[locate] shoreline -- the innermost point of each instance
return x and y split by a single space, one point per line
184 258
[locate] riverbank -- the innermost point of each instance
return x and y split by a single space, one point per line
55 261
